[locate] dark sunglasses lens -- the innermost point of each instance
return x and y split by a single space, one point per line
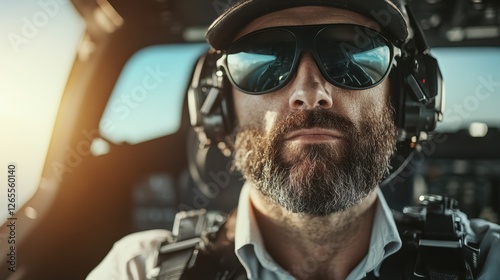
262 61
353 57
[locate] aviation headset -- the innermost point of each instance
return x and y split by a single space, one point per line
417 93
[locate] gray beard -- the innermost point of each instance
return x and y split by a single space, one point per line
317 179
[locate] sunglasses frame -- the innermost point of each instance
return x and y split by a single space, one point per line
305 39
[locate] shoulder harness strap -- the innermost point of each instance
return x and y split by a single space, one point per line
433 236
203 244
435 246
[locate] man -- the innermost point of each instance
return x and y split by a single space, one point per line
323 149
313 140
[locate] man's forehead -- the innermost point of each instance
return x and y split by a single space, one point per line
308 15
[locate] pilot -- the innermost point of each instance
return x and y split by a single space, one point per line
311 87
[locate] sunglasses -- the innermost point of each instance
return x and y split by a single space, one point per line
348 56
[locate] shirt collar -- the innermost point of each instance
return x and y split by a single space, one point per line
248 243
250 249
384 240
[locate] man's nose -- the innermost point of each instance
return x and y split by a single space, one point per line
309 88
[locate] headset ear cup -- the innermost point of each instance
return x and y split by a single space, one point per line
209 101
416 93
421 100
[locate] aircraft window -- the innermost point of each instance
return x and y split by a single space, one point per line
146 102
38 48
472 83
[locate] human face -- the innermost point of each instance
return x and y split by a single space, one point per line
310 146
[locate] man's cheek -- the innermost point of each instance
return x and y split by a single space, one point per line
288 152
270 121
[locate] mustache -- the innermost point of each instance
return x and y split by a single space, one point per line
314 118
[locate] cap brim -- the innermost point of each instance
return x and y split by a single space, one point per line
223 30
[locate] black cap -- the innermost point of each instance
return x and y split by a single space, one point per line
391 15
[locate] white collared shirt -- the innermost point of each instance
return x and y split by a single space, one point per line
250 249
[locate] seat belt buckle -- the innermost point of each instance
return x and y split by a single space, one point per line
189 224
